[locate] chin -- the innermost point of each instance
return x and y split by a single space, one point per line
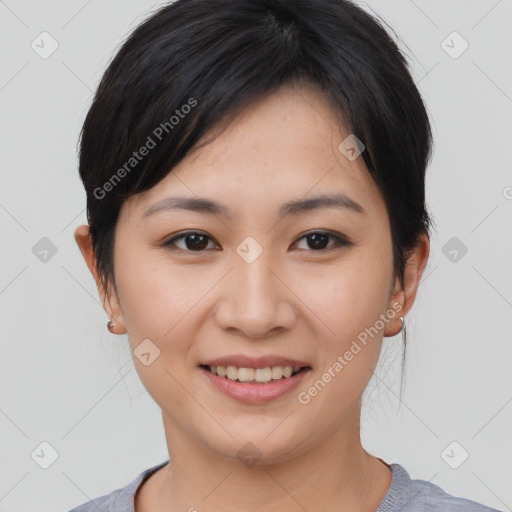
256 446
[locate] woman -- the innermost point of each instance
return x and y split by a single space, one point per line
257 224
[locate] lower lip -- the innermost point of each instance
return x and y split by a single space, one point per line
255 393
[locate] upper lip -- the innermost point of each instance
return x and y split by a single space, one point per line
242 361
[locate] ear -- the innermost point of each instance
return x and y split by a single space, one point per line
108 296
403 296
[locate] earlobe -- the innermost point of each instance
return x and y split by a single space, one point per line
109 298
396 312
406 295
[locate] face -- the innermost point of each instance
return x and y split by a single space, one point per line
257 285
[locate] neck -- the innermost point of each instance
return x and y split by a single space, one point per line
338 475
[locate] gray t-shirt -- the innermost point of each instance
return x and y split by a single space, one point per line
403 495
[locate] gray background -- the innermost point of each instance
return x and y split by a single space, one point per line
66 381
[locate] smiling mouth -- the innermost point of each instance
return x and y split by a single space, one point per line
265 375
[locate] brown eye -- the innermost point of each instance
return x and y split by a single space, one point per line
193 241
319 241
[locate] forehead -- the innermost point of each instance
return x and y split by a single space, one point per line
282 147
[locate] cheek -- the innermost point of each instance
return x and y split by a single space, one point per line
348 297
156 296
347 308
158 303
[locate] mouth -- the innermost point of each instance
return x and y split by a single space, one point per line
249 375
255 380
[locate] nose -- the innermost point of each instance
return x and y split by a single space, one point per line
255 300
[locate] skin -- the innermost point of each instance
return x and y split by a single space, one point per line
293 300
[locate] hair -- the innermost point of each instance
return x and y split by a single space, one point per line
190 66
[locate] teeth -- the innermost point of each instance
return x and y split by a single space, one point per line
262 374
232 372
245 374
277 372
287 371
254 374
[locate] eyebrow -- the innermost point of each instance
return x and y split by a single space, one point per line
296 207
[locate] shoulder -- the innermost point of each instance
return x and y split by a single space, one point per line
407 495
119 500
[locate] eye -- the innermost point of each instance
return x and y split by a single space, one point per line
318 240
194 241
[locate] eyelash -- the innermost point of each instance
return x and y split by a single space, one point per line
340 241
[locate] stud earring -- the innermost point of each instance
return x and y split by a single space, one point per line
110 326
401 328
